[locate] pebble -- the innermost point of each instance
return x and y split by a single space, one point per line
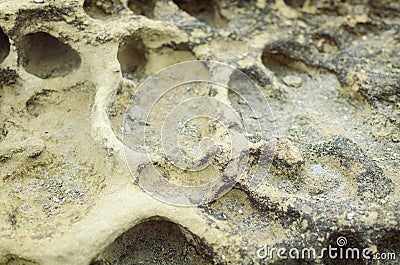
350 216
39 1
292 81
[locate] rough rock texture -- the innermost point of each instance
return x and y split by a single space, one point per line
69 68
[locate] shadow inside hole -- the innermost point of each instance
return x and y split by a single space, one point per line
132 56
102 9
295 3
142 7
4 46
204 10
281 64
46 57
154 242
364 28
348 251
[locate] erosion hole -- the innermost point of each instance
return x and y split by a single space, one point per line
154 242
4 46
102 9
295 3
161 58
132 56
142 7
279 59
204 10
46 57
278 62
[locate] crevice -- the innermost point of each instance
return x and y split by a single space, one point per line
4 46
287 57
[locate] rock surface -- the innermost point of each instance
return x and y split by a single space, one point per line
67 196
